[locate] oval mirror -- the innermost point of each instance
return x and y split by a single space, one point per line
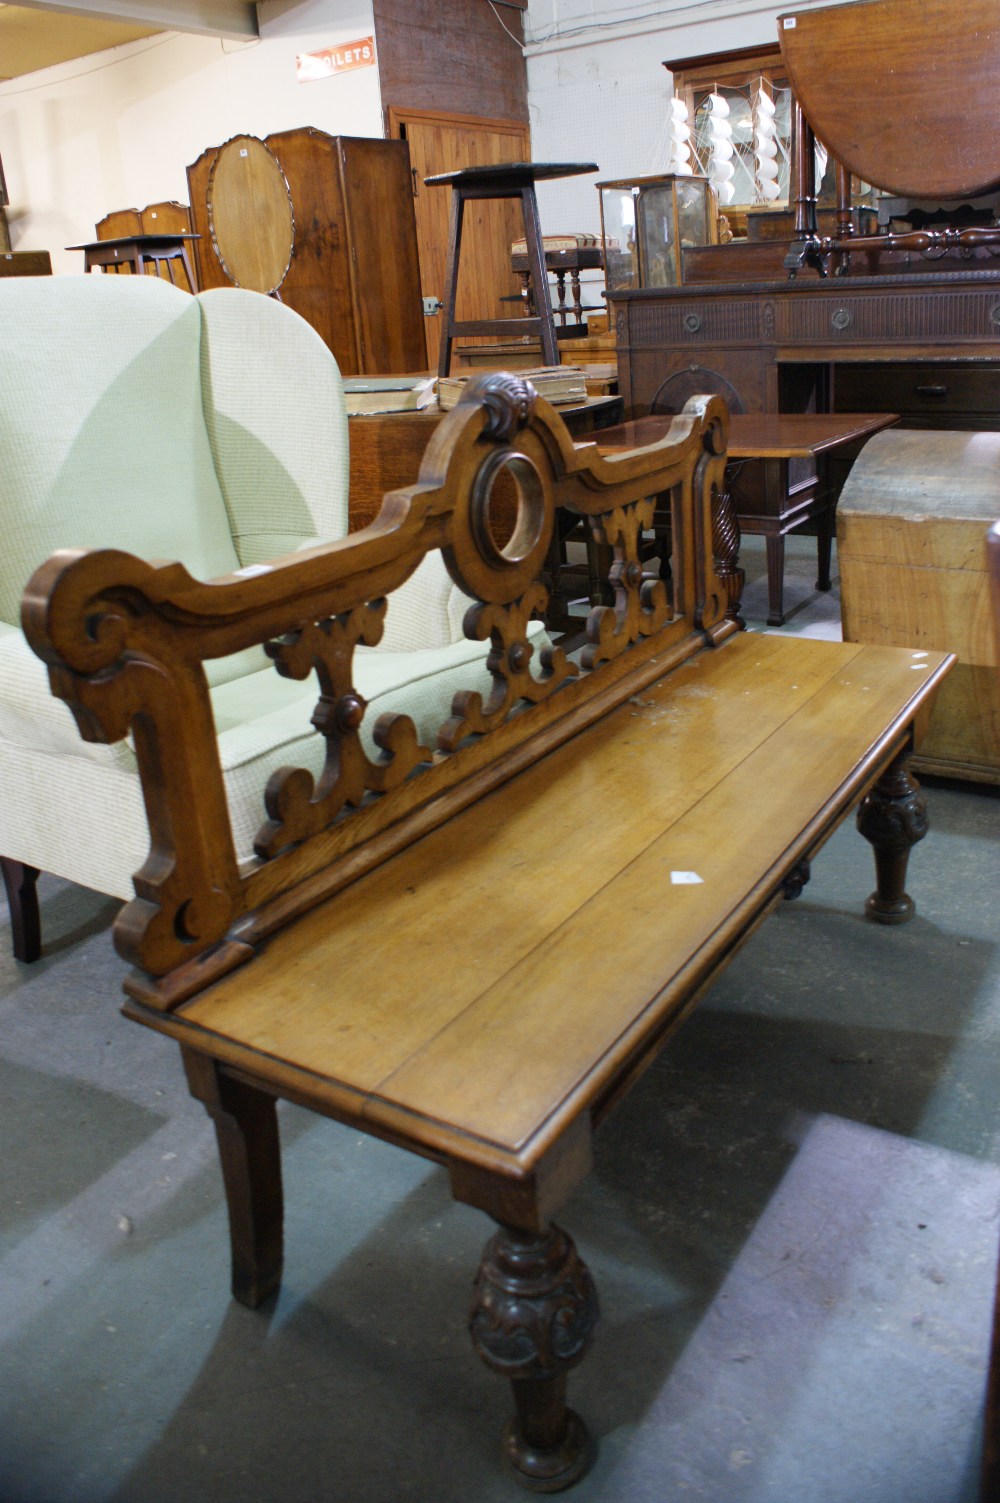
250 215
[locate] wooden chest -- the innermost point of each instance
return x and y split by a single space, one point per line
911 530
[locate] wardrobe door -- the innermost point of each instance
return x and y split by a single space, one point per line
378 197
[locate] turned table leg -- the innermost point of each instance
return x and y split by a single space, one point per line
893 817
246 1128
726 554
774 548
533 1318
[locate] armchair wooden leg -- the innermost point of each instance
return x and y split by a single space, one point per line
246 1127
22 899
893 817
533 1318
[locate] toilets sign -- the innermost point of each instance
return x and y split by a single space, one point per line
310 66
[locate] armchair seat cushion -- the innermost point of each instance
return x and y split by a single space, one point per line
263 723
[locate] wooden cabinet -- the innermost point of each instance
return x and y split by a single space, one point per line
911 536
352 254
925 393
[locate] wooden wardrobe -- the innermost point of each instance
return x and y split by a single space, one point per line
326 224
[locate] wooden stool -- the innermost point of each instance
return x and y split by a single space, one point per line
502 180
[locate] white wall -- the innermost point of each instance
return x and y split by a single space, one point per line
117 129
598 91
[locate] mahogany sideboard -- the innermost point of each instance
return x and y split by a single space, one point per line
923 344
473 948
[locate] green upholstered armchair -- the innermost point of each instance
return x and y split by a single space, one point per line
208 429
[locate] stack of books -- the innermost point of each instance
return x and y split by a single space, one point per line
368 394
580 240
559 384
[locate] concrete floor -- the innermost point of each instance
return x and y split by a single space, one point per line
793 1225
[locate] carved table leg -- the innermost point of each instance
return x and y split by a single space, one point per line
726 554
893 817
532 1319
246 1128
792 885
22 900
824 549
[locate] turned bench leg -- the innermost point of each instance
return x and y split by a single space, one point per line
893 817
533 1318
22 900
246 1128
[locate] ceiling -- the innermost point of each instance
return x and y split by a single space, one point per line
32 39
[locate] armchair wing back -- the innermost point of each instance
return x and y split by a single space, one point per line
208 429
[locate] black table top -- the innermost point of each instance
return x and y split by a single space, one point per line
165 237
513 174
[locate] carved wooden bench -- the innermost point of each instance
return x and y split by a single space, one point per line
473 950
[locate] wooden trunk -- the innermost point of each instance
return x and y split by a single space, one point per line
353 271
911 534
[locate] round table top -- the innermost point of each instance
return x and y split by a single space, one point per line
511 174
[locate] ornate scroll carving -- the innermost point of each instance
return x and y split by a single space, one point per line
119 669
893 817
508 401
641 604
508 661
533 1318
299 806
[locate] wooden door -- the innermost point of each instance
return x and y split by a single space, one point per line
443 143
390 324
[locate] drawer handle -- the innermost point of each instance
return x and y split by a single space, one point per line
932 391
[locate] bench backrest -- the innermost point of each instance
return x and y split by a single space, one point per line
126 641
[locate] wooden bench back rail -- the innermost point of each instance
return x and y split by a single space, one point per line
125 641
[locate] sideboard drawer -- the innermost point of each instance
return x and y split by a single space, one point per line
923 389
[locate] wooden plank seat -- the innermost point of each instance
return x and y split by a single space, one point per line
473 951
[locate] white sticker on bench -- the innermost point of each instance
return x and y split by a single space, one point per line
685 879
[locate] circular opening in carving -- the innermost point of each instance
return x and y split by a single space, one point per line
250 215
508 508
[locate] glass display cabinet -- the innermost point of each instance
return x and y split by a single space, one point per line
645 221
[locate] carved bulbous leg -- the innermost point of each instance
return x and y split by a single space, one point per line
796 880
533 1318
893 817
